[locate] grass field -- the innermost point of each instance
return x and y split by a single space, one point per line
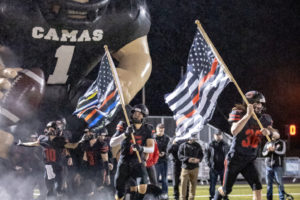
243 192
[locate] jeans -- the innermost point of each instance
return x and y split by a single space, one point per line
271 173
162 170
213 175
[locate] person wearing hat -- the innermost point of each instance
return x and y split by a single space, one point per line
214 156
190 153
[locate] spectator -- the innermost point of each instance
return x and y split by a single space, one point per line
274 152
162 163
173 151
215 156
190 153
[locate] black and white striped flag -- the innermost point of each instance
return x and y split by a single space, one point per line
194 99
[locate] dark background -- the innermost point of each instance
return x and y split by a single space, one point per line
258 40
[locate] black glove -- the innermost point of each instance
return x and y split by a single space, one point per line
128 131
138 147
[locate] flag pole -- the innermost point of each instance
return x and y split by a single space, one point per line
216 53
117 82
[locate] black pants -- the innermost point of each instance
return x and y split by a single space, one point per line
176 178
152 175
127 170
235 164
56 183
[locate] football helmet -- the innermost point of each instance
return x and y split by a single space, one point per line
53 131
61 124
102 132
256 97
72 12
139 108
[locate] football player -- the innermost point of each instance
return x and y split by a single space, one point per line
96 157
65 39
53 146
243 151
128 165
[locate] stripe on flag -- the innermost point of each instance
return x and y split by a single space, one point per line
194 99
101 101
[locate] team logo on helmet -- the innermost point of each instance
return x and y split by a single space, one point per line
255 96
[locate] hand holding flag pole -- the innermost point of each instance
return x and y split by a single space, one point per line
119 88
219 58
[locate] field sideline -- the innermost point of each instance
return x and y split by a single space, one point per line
243 192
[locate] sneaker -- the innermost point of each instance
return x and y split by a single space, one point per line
164 196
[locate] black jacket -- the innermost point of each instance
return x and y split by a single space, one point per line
162 144
215 154
173 150
275 158
187 151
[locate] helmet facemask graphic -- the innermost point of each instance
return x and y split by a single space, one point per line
73 12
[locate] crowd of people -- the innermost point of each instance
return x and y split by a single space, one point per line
118 164
92 166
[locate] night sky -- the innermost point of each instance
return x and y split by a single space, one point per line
258 40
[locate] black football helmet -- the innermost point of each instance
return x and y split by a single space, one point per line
72 12
54 131
52 124
139 108
256 97
102 132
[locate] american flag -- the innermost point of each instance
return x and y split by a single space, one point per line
101 101
194 99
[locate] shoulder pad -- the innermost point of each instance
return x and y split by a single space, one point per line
149 127
236 115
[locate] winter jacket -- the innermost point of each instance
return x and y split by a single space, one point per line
190 150
275 158
215 154
162 143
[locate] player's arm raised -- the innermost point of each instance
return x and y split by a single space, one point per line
29 144
239 125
